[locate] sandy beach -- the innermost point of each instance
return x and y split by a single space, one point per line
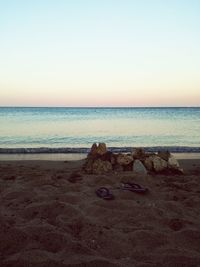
100 133
51 216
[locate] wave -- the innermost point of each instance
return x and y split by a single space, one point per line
67 150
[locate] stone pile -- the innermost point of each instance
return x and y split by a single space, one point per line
100 160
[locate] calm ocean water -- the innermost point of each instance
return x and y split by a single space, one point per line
80 127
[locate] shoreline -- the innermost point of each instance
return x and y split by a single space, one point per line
73 156
85 150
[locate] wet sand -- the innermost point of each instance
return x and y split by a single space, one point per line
51 216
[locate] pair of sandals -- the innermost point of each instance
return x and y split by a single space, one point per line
105 193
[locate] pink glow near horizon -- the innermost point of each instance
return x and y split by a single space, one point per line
98 103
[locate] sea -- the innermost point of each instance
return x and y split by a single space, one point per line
64 129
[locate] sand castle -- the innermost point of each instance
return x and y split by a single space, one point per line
100 160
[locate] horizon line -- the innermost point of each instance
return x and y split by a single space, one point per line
100 106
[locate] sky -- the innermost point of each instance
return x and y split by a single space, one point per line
100 53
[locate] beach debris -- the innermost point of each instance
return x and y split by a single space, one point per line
139 168
100 160
104 193
133 188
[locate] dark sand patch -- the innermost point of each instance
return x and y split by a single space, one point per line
48 220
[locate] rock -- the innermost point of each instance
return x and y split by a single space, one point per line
174 166
107 156
138 167
100 166
148 163
124 159
97 151
139 153
118 168
99 161
88 165
173 162
93 150
101 149
159 164
128 167
113 159
164 154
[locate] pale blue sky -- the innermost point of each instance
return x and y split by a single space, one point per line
100 53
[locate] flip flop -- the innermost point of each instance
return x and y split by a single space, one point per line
104 193
134 188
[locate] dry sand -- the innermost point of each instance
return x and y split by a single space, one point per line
47 220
